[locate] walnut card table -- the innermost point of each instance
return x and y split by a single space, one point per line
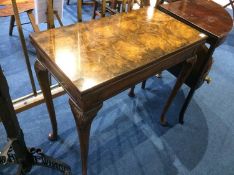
96 60
207 17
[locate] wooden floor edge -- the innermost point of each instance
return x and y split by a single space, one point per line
28 103
22 104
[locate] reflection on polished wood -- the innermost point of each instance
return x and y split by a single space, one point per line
154 3
96 60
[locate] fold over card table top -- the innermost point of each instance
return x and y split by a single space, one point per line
204 15
91 55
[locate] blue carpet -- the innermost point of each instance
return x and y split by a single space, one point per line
126 137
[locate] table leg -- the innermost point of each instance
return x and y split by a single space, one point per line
43 79
143 84
95 9
103 10
79 10
159 75
185 105
131 93
185 71
12 22
199 78
83 123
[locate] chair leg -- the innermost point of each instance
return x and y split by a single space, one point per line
79 10
58 18
118 7
232 4
12 22
114 5
24 47
103 10
95 9
32 21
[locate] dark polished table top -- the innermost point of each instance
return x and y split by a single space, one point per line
211 17
95 53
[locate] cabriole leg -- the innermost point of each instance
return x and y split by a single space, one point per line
43 78
186 69
83 124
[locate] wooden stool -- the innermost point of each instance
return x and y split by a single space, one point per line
23 6
12 8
